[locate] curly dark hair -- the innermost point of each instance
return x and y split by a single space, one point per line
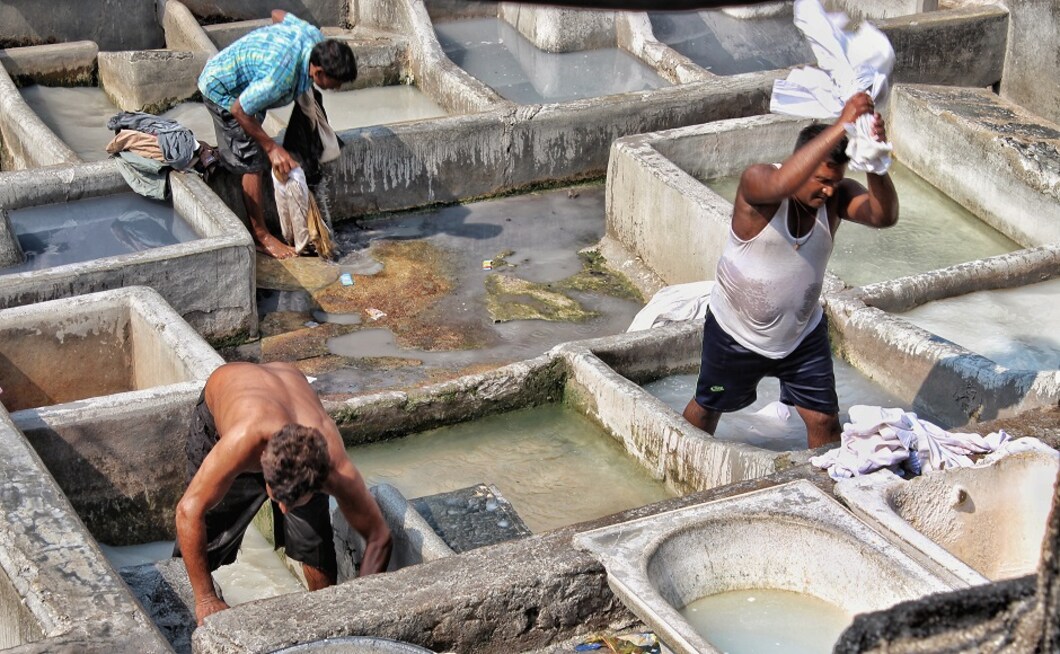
295 463
336 58
837 156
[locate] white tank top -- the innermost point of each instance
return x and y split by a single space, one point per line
767 295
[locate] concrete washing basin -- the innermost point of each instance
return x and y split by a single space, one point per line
354 645
981 524
791 537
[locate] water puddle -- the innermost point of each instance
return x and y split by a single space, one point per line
554 465
94 228
380 105
728 45
932 232
1014 327
497 54
765 423
766 620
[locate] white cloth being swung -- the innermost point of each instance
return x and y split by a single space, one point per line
878 438
848 63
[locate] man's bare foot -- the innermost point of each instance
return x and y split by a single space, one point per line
276 248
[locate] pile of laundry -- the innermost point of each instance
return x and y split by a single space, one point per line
898 440
147 147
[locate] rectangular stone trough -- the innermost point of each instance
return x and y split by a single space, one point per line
102 386
57 592
209 281
981 524
660 564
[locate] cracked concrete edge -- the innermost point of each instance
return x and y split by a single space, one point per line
62 64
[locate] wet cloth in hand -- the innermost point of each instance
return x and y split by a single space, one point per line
177 143
673 304
300 220
847 64
893 438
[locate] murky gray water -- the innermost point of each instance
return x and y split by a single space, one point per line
726 45
497 54
381 105
57 234
1015 327
932 232
760 424
554 465
79 115
543 231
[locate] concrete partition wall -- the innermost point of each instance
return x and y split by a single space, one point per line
880 8
109 381
61 64
209 281
1032 60
25 141
658 208
57 592
932 374
995 158
463 157
30 22
560 29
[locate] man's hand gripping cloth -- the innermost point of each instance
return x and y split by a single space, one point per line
300 220
848 62
889 438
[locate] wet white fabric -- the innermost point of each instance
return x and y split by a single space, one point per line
292 205
1017 445
673 304
848 62
894 438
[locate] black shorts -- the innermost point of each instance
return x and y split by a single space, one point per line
304 532
729 373
240 153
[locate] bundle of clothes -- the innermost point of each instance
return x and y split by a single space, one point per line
148 147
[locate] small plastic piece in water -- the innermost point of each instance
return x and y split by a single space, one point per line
312 323
375 314
487 264
346 279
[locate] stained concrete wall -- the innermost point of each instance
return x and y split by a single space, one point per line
66 64
107 22
70 599
1032 61
318 12
25 141
858 10
151 81
561 29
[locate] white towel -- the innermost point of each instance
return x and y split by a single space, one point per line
848 62
292 205
888 438
673 304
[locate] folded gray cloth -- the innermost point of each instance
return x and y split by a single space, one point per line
176 141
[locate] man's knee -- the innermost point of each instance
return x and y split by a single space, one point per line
705 419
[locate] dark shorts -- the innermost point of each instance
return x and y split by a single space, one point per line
240 153
729 373
304 532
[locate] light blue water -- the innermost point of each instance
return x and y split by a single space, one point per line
497 54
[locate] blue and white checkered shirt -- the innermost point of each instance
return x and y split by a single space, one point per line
267 68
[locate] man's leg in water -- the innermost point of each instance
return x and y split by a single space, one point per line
315 578
705 419
253 199
821 428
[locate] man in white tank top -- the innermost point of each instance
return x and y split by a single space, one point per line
765 314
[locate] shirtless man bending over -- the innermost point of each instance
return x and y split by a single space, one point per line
260 433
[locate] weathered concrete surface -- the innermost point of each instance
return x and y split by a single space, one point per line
317 12
633 32
949 382
514 597
966 140
957 47
10 249
659 564
1032 73
163 589
462 157
560 29
182 30
119 457
29 22
219 303
473 517
67 593
150 81
881 9
1018 616
25 141
66 64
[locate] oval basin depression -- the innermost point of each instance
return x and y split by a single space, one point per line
706 577
981 524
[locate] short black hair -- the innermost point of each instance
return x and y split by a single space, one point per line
295 463
336 59
837 156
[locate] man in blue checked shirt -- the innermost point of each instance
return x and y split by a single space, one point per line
268 68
